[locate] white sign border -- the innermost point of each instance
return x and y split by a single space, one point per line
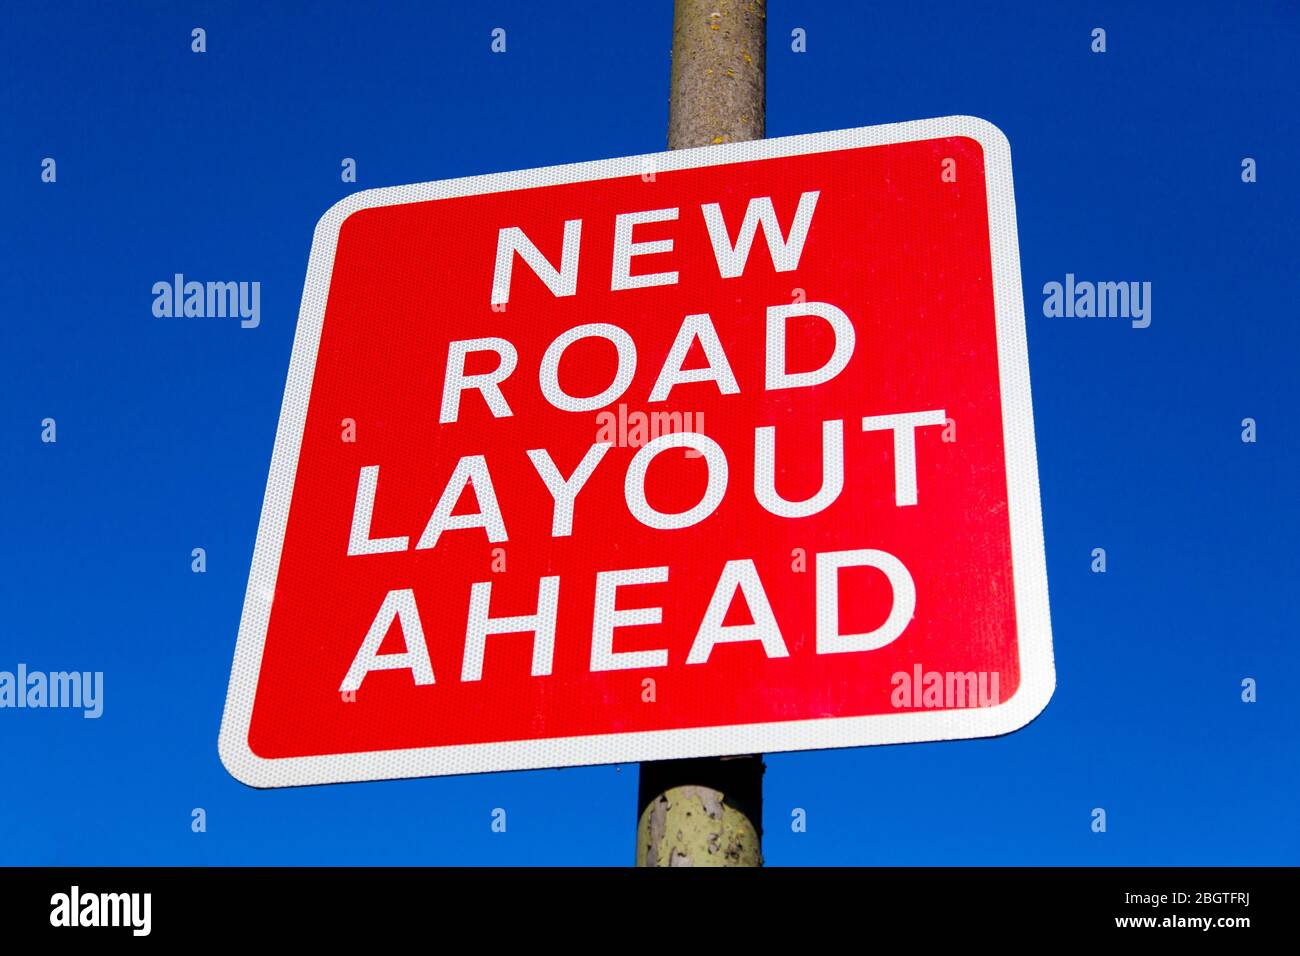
1037 670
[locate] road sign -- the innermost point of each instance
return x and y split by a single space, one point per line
714 451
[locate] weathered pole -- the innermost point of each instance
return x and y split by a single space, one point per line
717 89
709 811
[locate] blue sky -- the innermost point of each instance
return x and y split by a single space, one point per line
1127 167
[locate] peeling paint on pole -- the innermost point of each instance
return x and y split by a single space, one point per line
718 92
703 812
694 826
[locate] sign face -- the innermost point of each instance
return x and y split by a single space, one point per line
715 451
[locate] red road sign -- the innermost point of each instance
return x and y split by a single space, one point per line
720 450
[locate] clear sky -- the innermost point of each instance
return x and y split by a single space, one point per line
1127 167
